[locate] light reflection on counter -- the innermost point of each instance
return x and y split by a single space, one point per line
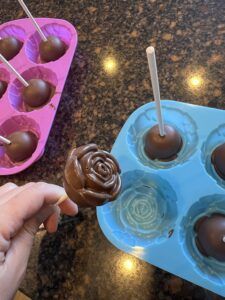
110 65
196 80
127 265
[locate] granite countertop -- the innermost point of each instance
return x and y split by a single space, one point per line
108 80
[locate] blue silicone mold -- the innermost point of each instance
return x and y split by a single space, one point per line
154 215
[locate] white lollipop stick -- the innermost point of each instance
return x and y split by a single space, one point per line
11 68
155 86
4 140
62 199
25 8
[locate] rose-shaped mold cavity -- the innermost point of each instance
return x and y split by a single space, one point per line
91 176
145 211
216 138
54 29
4 76
17 123
13 31
180 120
15 89
207 267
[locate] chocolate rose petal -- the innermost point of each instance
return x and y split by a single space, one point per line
73 172
99 176
93 182
95 198
81 151
102 170
113 160
88 167
112 166
117 188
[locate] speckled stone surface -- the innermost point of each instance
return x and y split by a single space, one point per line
108 80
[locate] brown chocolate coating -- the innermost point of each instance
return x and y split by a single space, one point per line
23 144
162 147
218 160
3 88
37 93
91 176
210 233
52 49
10 47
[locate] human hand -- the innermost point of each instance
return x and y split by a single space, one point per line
22 210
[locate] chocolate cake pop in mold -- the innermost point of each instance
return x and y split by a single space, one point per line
210 236
10 47
37 93
52 49
23 144
165 147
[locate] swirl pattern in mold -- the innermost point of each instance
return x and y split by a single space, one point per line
181 121
208 267
146 208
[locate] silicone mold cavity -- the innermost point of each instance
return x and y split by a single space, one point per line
216 138
13 30
208 268
174 117
4 75
54 29
145 210
17 123
15 90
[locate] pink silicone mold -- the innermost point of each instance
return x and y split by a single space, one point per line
13 113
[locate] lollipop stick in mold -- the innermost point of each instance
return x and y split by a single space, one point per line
51 48
155 86
4 140
25 8
13 70
36 93
162 142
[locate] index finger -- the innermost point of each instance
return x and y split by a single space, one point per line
26 204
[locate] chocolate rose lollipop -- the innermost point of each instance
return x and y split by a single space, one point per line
91 176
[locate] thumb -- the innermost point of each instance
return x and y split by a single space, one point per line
18 255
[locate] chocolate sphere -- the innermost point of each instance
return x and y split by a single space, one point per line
218 160
3 87
52 49
163 147
10 47
23 144
37 93
210 236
